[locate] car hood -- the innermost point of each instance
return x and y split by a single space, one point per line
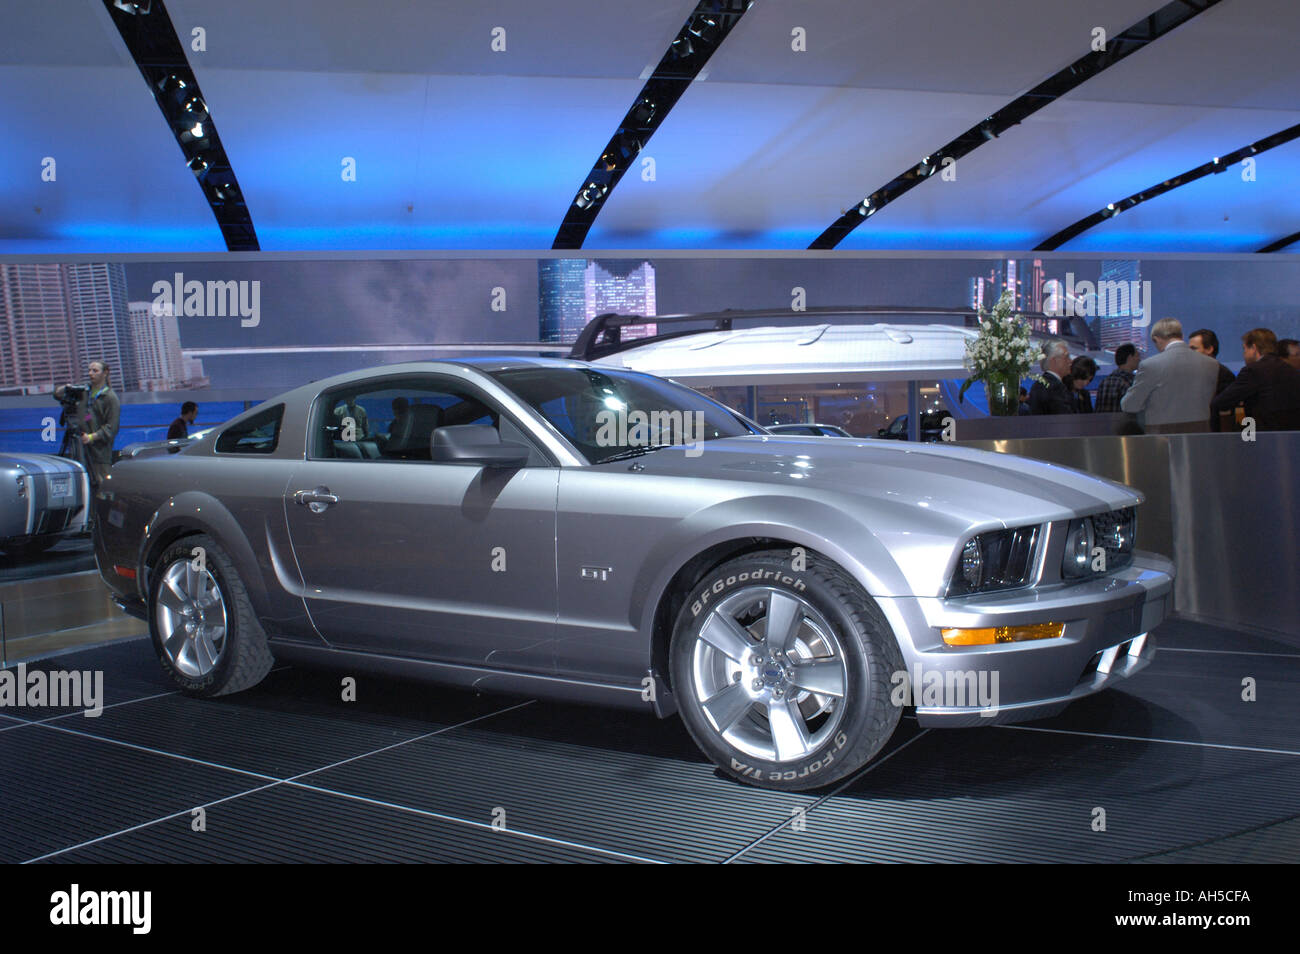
971 485
41 463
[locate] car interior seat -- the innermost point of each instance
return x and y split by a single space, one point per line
413 432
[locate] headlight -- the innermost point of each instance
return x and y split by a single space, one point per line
972 563
1110 535
997 560
1116 532
1078 550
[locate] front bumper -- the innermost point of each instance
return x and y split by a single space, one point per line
1108 622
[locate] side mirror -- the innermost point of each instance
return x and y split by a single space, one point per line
476 444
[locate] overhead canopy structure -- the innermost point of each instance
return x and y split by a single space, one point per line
400 126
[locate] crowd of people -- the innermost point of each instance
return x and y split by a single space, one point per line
1182 387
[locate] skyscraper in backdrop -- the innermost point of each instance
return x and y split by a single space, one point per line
56 318
572 291
101 320
36 349
1114 321
159 361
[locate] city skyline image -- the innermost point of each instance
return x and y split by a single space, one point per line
316 318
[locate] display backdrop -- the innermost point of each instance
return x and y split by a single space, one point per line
250 328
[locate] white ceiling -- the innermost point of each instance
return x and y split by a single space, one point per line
458 146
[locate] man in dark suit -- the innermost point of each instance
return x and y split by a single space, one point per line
180 428
1050 395
1207 342
1267 385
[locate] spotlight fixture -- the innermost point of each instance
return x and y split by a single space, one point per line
619 153
643 112
171 83
225 192
198 165
703 27
591 193
134 7
682 48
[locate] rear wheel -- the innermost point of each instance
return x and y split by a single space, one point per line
202 623
783 675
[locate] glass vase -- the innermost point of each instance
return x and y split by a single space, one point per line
1004 394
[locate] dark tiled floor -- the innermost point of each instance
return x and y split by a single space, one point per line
1176 763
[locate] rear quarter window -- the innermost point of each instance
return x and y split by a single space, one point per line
258 434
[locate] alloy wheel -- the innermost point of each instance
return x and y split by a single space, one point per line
770 674
191 617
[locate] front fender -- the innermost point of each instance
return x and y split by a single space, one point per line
806 523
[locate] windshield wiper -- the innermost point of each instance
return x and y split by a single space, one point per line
634 452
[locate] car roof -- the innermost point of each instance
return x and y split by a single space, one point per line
484 364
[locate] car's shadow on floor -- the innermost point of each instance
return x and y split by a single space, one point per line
988 761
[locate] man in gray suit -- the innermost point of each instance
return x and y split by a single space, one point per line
1173 389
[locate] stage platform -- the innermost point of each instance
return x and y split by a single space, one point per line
1181 766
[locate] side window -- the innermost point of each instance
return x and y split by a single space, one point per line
258 434
395 419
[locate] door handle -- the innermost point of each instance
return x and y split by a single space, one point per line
315 500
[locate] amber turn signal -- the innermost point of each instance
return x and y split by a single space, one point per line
1002 634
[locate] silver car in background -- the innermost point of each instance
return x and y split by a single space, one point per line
598 535
43 499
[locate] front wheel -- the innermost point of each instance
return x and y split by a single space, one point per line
204 630
783 675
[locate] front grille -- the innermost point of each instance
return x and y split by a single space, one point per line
52 521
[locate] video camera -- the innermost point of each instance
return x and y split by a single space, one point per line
73 395
70 400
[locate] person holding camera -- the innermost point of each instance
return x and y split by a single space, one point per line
95 420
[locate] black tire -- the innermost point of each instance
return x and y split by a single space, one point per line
869 653
245 657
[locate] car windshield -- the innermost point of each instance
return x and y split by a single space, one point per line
608 414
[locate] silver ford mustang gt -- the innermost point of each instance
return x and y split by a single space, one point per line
586 533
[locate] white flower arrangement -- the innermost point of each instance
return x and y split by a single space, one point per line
1003 348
